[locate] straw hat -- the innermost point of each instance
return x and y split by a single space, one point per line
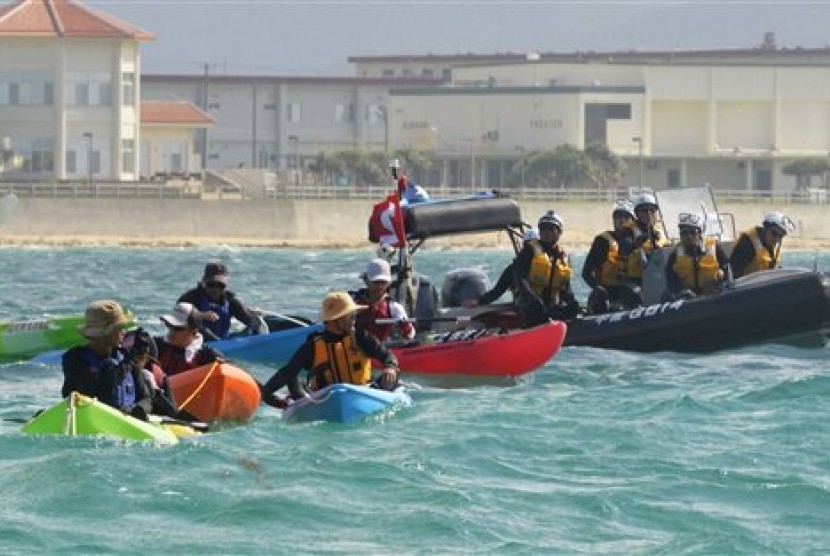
338 304
102 317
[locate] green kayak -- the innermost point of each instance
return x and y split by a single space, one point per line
81 415
25 339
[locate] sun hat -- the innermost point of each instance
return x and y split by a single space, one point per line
215 272
338 304
181 316
378 270
102 317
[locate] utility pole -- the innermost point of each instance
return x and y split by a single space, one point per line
205 85
639 141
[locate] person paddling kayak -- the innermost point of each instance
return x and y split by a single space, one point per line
339 354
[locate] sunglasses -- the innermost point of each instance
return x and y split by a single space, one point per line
776 234
217 285
689 232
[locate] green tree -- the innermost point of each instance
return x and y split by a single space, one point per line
607 169
804 169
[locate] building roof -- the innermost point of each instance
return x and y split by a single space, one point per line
292 80
757 55
64 18
173 112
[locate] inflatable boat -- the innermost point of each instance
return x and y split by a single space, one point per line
483 351
345 403
787 306
790 306
80 415
21 340
216 392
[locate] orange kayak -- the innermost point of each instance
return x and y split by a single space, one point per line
216 392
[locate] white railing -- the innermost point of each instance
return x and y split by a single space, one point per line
310 189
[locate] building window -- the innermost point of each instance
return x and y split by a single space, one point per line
343 112
407 72
71 162
48 94
128 155
81 97
294 112
42 156
127 89
388 73
14 94
427 72
673 178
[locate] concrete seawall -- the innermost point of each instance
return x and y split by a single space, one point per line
304 222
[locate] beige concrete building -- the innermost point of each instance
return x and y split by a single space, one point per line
70 100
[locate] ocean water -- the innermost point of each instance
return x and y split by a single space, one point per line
598 452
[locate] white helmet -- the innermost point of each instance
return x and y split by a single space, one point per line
378 270
552 218
530 234
687 220
780 221
644 199
625 207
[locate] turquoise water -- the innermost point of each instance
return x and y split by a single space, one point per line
597 452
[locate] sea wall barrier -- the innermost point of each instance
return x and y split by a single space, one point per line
290 222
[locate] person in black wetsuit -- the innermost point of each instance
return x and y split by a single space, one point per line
539 276
609 266
216 305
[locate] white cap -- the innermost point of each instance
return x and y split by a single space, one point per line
180 316
378 270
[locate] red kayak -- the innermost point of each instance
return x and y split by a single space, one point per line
216 392
484 352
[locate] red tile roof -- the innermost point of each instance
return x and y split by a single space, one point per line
173 112
63 18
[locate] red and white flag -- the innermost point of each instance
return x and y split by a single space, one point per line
386 223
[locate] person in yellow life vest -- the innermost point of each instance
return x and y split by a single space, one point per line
338 354
647 237
606 268
539 276
759 247
698 264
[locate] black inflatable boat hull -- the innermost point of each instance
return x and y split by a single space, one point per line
786 306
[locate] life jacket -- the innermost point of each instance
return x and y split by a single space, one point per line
380 309
124 387
614 270
763 259
697 271
222 325
339 362
549 273
174 361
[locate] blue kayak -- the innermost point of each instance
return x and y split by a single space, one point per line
345 403
273 349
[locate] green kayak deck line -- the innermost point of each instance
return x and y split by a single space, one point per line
25 339
79 415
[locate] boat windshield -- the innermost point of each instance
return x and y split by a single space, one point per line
696 200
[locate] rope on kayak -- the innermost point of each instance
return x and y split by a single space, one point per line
201 385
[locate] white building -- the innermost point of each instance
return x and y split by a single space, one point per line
70 99
278 122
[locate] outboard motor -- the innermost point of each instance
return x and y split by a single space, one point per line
462 285
426 302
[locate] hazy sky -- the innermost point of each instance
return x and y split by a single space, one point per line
309 37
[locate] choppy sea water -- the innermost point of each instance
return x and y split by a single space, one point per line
598 452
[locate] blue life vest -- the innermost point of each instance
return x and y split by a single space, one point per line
222 326
124 392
